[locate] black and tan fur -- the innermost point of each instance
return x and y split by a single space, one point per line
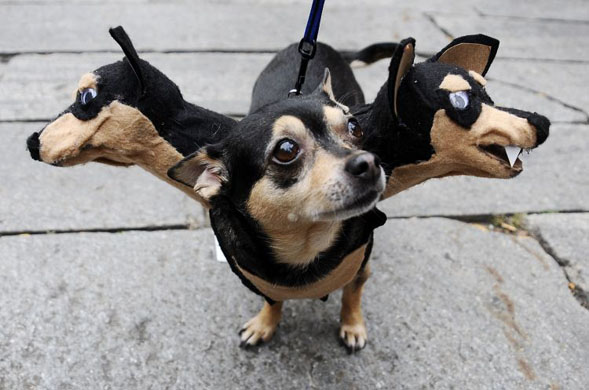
300 230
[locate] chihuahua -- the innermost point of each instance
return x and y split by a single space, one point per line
292 204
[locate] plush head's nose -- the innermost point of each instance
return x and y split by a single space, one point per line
33 145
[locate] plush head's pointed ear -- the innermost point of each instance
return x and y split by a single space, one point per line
471 52
121 37
401 63
201 172
325 85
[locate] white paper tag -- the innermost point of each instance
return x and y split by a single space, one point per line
218 252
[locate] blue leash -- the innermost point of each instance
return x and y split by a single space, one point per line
308 44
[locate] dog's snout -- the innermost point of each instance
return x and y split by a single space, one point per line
365 166
33 145
539 122
542 125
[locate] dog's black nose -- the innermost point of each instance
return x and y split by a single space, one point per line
542 125
33 146
365 166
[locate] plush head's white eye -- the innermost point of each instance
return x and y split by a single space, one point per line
86 95
459 100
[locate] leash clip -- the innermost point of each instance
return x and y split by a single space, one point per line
308 45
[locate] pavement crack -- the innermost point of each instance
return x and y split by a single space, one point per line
433 20
581 295
547 96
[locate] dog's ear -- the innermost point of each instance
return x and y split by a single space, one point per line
401 63
471 52
121 37
202 172
325 85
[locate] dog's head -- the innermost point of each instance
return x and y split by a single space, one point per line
447 123
113 115
290 166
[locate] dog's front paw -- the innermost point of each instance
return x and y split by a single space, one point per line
261 328
353 336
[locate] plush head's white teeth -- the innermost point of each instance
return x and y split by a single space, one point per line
512 153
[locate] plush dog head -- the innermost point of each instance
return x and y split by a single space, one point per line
124 113
442 120
293 166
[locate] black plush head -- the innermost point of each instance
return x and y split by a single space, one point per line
120 111
438 115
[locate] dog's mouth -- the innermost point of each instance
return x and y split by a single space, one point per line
352 208
508 156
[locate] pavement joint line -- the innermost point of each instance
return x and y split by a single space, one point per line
6 57
10 54
541 59
152 228
482 14
548 96
473 218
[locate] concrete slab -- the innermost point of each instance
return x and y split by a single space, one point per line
448 306
575 10
40 86
557 81
524 38
567 237
39 197
203 26
554 178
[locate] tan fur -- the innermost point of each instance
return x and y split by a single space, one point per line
119 135
471 56
326 85
353 329
204 174
457 153
338 124
454 83
477 77
263 325
88 80
404 67
343 274
289 217
288 126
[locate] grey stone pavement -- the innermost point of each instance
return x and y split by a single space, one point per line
107 275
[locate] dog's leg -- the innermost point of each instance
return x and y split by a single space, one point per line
352 330
262 326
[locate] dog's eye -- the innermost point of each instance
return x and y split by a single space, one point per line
286 151
86 95
354 128
459 100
